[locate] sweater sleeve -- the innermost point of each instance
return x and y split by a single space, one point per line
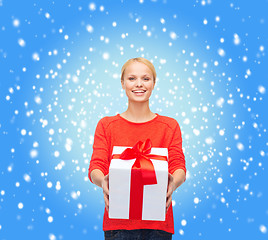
175 153
100 155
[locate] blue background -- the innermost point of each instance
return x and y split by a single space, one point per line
60 65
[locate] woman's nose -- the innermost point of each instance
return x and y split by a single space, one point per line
139 82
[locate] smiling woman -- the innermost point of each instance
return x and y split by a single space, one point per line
135 81
138 123
138 78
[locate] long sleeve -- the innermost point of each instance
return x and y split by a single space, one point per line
175 153
100 155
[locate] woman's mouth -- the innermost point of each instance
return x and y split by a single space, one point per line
139 92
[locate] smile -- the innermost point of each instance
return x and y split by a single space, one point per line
139 92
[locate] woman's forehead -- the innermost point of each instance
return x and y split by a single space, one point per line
137 68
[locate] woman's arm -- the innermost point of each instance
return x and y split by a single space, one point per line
97 177
174 181
179 178
102 181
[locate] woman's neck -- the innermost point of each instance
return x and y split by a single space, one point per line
138 112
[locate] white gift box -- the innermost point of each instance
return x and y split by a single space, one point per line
154 196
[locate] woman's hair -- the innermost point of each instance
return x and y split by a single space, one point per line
141 60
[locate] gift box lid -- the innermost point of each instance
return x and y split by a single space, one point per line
117 163
154 150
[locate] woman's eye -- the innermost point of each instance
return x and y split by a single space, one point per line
131 78
147 79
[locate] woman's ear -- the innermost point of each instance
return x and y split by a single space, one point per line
122 83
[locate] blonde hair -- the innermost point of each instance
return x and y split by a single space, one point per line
141 60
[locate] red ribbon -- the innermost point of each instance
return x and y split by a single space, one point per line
142 173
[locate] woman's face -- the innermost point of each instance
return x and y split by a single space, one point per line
138 82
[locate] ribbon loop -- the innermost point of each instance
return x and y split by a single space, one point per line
141 151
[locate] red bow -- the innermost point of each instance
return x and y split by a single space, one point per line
142 173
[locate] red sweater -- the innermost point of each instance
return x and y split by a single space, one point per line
117 131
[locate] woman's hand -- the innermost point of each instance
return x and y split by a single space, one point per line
105 188
170 189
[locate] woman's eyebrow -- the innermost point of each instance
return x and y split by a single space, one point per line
145 75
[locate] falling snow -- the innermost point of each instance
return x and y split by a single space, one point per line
20 205
16 22
236 39
21 42
61 74
263 229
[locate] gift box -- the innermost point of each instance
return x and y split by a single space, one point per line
138 178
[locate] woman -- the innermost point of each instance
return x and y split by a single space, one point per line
137 123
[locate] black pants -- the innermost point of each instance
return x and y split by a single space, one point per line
139 234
